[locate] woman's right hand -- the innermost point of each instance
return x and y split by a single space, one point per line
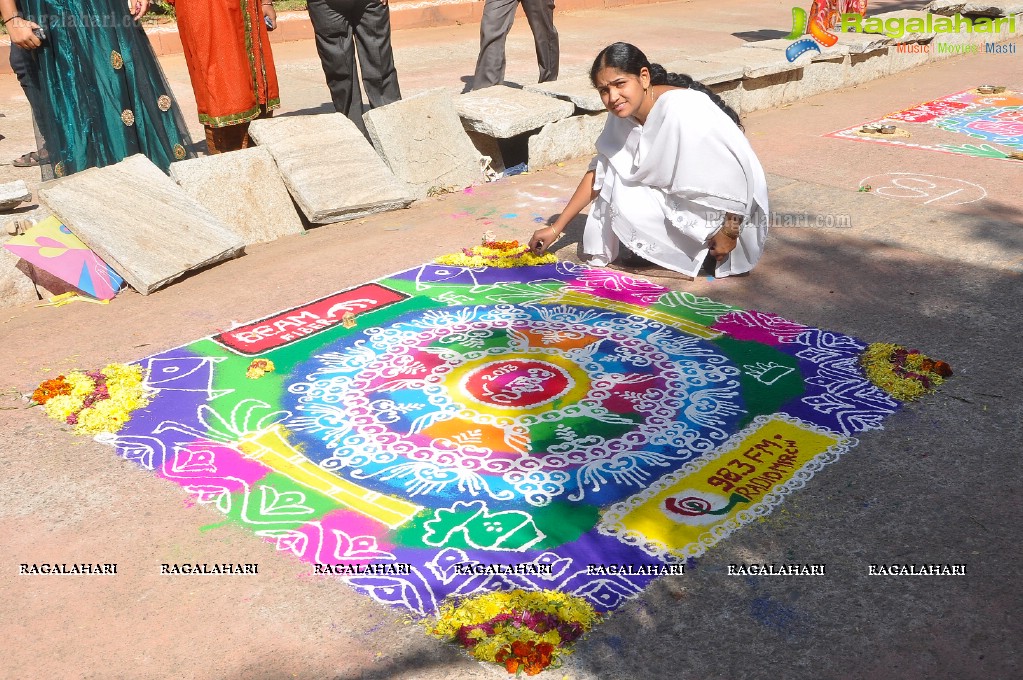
21 33
542 239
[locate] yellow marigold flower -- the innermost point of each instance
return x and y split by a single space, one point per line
81 384
63 405
503 258
903 374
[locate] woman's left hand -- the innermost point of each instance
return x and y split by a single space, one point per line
721 245
269 11
137 8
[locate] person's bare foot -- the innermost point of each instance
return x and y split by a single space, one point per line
632 263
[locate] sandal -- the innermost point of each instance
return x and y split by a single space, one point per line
28 160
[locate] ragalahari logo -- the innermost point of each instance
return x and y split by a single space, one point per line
824 16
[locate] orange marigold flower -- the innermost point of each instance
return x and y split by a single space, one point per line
50 389
510 661
522 648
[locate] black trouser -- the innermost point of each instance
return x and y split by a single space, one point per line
498 16
366 23
21 64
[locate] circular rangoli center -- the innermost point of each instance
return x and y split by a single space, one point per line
517 383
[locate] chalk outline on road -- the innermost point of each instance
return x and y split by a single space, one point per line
915 175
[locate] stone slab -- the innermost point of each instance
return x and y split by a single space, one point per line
860 43
730 92
424 144
328 166
578 90
824 74
772 90
707 72
504 112
565 139
14 194
841 48
137 220
16 286
488 147
820 72
867 66
990 8
244 190
756 63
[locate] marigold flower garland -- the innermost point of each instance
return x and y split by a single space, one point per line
258 368
526 631
94 401
906 374
503 254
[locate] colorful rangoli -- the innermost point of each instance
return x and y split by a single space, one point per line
969 123
473 430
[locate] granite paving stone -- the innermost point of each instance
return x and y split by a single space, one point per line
504 112
137 220
424 144
244 190
331 170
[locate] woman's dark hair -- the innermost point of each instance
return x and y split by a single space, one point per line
629 59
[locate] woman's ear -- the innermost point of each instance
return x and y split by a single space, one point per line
644 77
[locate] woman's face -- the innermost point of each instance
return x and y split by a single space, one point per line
622 93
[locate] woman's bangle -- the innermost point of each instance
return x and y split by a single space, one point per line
13 17
732 225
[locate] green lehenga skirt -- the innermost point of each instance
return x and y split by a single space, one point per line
100 93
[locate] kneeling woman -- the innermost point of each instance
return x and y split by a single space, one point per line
674 180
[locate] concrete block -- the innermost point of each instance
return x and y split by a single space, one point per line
820 72
504 112
707 72
244 190
730 92
16 286
488 146
824 73
769 79
860 43
137 220
14 194
768 91
867 66
424 144
579 91
755 63
989 8
565 139
328 166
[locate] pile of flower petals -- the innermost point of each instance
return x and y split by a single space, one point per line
526 631
94 401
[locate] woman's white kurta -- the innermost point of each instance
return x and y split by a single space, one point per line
665 186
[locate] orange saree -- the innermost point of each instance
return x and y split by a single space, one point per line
227 49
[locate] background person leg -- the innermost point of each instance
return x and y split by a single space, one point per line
334 44
498 16
540 15
376 59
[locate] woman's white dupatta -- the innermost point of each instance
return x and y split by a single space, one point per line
665 186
